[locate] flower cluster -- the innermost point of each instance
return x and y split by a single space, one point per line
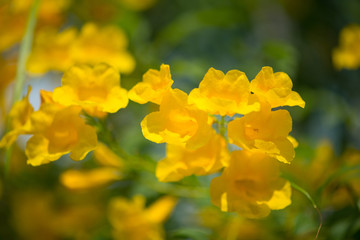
57 127
347 55
93 44
225 110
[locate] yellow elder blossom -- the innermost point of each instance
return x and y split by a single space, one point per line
56 216
19 118
181 162
10 33
275 89
153 87
106 157
103 44
51 51
224 94
250 185
266 131
85 179
58 131
177 122
132 221
347 55
16 12
94 44
96 89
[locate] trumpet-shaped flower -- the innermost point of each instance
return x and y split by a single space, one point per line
153 87
132 221
52 51
177 122
250 185
265 130
96 89
181 162
58 131
107 44
275 89
347 55
20 123
224 94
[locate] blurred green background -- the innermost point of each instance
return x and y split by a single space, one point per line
296 37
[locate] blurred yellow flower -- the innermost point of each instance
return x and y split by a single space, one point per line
250 185
8 72
10 33
96 89
226 226
16 11
86 179
103 44
93 45
275 89
224 94
132 221
347 55
177 122
19 118
106 157
49 10
56 217
58 131
265 130
153 87
51 51
181 162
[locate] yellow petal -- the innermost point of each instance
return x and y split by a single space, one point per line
77 180
106 157
161 209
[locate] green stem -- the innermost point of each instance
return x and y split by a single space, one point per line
25 48
222 126
303 191
24 52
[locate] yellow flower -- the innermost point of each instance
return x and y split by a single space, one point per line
265 130
58 131
132 221
181 162
10 33
347 55
51 51
56 217
106 44
96 89
224 94
153 87
86 179
92 178
177 122
16 12
250 185
19 118
275 88
106 157
48 9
